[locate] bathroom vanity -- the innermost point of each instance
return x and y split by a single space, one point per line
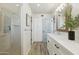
58 44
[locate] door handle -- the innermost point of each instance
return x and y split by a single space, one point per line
9 27
48 40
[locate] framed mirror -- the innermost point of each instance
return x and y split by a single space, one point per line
60 22
62 15
28 20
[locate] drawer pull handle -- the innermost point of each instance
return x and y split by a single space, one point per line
56 46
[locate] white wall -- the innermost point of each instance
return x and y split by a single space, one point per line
77 34
75 9
37 26
75 12
25 31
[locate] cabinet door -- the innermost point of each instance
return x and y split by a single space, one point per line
51 48
56 52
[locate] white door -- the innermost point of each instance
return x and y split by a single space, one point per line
5 35
37 27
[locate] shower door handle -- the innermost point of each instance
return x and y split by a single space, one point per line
9 27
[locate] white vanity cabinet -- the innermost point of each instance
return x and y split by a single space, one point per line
51 48
55 48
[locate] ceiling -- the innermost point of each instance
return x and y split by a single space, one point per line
10 6
44 7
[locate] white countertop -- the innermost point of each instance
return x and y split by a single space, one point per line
62 38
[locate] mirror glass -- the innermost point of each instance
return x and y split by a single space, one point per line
60 18
60 22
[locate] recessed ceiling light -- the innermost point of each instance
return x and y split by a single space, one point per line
38 5
17 5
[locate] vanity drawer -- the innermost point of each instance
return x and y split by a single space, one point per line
56 52
49 46
60 48
52 50
63 50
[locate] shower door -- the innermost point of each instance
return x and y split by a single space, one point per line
5 33
46 27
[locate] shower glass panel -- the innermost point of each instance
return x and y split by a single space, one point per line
7 24
10 32
46 27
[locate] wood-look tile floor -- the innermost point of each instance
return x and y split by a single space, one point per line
38 48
